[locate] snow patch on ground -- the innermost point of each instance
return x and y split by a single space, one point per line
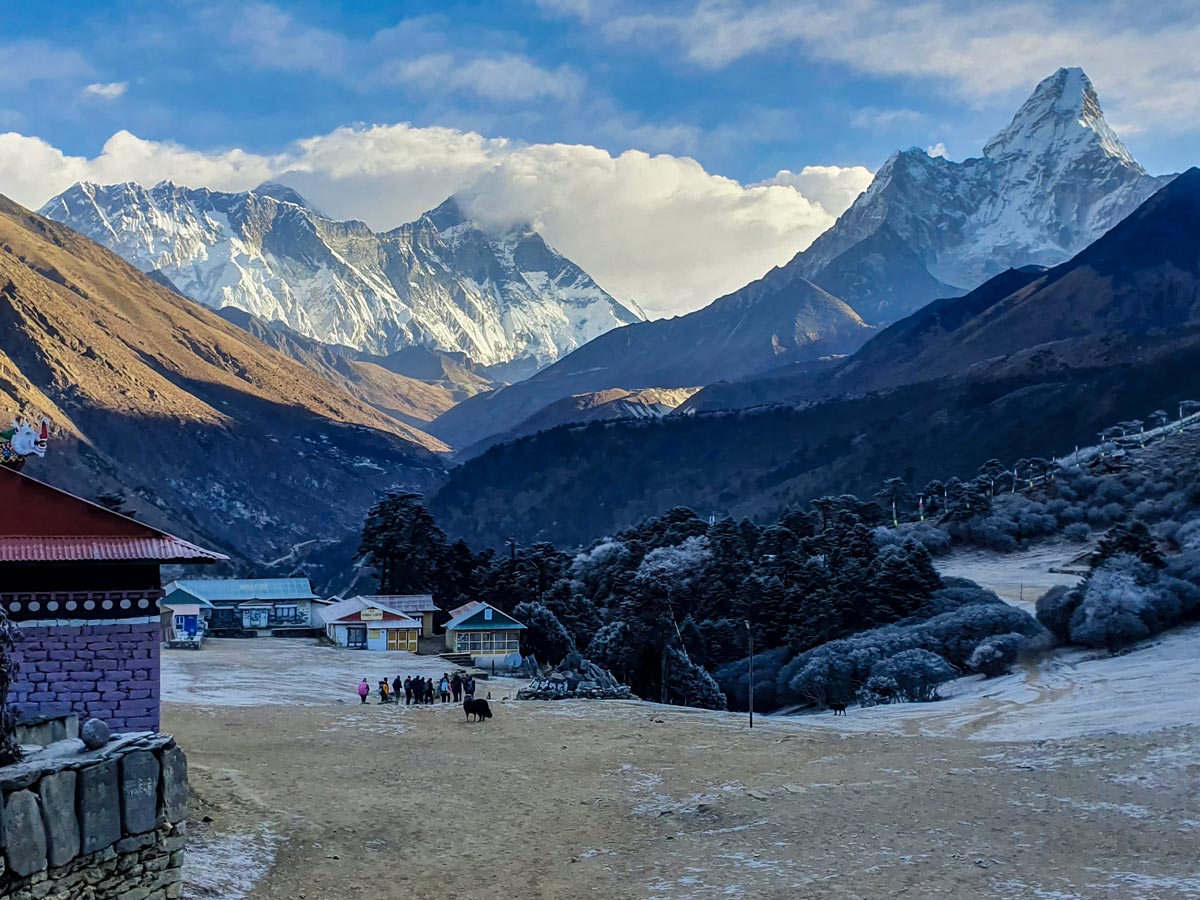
227 867
1069 693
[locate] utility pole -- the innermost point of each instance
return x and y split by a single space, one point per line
750 633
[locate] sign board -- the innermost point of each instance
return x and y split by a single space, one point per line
370 614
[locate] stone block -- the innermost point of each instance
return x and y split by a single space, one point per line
99 797
139 792
174 785
24 834
58 812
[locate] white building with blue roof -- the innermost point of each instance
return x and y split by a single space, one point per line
263 606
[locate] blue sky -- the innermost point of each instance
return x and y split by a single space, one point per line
746 88
199 75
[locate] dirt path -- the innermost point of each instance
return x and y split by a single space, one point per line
318 798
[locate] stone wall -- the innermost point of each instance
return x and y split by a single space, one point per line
103 670
106 824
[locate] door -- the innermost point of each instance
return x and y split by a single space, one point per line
356 637
402 639
254 618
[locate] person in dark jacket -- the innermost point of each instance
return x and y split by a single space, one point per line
397 687
456 687
408 691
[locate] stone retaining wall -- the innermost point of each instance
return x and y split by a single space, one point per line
106 824
105 670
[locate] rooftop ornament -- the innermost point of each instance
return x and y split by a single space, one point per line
22 440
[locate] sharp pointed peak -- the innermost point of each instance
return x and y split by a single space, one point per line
1063 111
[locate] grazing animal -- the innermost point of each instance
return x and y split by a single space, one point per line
477 708
839 709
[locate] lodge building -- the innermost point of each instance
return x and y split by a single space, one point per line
83 584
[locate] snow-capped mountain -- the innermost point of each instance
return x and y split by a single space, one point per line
439 282
1050 183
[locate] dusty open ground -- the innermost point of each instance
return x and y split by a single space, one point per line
314 797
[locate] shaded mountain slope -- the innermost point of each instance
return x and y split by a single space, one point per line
765 325
599 406
204 428
359 374
1031 364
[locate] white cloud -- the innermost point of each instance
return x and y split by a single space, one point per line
872 118
579 9
503 77
106 91
834 188
938 149
656 229
1145 65
272 39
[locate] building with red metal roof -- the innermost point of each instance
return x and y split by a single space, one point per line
83 584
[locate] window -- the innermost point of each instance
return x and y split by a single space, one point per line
489 642
287 615
487 614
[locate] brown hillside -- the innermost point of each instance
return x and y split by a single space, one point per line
203 426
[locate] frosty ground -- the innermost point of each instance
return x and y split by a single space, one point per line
1058 781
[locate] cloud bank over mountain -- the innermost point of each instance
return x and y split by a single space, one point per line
657 229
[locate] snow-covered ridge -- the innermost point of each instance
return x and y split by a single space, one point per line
1048 184
439 282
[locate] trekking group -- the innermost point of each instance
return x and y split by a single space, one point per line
418 690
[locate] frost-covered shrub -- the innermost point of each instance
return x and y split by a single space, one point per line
957 592
1113 511
1112 611
1127 599
1055 609
878 689
1110 489
996 655
1078 532
917 674
835 671
1188 535
1071 514
932 538
955 635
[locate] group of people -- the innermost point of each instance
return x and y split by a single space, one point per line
419 690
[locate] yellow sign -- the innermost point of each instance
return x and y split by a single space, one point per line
373 635
370 614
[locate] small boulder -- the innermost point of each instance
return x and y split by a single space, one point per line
94 734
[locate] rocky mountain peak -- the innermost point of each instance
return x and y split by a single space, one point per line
1063 114
282 193
1047 185
439 282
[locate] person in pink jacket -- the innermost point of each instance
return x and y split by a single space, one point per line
364 690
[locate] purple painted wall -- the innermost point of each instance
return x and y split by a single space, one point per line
109 670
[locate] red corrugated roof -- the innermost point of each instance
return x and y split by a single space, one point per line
166 548
42 523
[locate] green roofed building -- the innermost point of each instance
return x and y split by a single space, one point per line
260 606
483 631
